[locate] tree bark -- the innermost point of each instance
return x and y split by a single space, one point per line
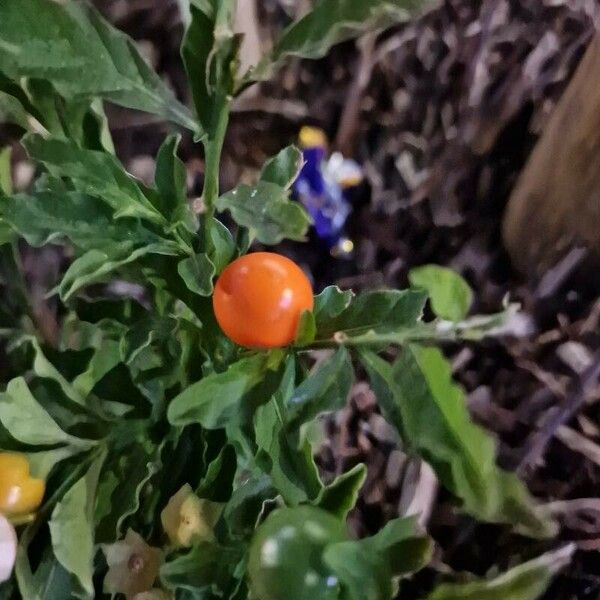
556 202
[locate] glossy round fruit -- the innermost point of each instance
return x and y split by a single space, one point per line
259 299
286 554
20 494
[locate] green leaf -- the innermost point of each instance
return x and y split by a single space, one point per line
105 358
289 462
215 399
5 170
197 272
524 582
266 211
42 367
79 119
380 376
6 234
72 528
12 111
221 246
70 45
241 429
329 23
402 544
107 316
59 117
362 575
51 581
283 169
245 505
430 412
366 567
306 330
379 311
18 91
133 461
340 496
142 335
330 303
26 420
325 390
170 180
208 51
49 215
449 293
155 352
96 173
42 463
96 131
292 469
205 566
95 266
216 483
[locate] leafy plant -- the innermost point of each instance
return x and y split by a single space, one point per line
143 414
524 582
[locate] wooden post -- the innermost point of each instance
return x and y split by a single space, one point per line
556 202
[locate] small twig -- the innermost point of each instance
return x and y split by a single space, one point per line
579 443
293 110
349 121
592 320
557 275
536 447
486 17
560 507
554 383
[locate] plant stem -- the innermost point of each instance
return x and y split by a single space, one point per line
377 339
214 148
424 333
472 329
182 242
